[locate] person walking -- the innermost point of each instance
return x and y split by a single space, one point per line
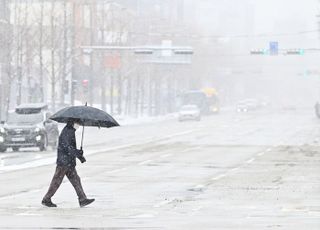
66 166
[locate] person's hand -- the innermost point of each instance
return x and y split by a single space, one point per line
82 159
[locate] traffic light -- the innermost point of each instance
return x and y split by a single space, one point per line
184 51
143 51
74 86
85 85
295 52
259 52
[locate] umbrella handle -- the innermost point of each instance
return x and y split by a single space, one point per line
82 133
82 137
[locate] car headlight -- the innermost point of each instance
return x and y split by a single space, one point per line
2 130
38 138
37 129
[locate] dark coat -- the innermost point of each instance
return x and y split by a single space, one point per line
67 147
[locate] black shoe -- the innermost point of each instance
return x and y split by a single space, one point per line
48 203
85 202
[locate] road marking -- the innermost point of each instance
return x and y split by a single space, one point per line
143 215
166 155
28 214
52 160
179 134
38 156
190 149
195 210
294 209
20 194
199 186
250 161
218 177
162 203
145 162
117 170
234 169
186 150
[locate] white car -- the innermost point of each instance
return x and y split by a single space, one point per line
247 105
189 112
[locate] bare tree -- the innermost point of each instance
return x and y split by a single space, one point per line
41 83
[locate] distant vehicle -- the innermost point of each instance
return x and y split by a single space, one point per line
189 112
317 109
247 105
206 100
212 100
29 126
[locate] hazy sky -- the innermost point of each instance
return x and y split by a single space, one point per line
254 17
268 12
288 16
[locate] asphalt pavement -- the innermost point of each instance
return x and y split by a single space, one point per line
256 170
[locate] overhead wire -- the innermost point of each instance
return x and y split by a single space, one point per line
192 36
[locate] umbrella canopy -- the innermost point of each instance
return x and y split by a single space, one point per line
86 116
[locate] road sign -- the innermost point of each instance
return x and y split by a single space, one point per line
273 48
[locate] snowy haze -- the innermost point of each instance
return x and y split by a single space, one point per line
252 163
233 28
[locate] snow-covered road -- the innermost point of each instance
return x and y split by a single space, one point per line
255 170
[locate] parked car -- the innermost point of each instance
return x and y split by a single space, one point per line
189 112
317 109
29 126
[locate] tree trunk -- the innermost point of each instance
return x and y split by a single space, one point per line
19 52
103 72
28 55
53 76
41 53
142 94
157 95
103 91
119 78
137 95
111 90
64 55
150 92
128 97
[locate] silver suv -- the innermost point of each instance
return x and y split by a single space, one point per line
29 126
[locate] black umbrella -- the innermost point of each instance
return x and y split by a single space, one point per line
86 116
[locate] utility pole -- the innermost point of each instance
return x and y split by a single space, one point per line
53 72
64 53
102 65
73 51
93 16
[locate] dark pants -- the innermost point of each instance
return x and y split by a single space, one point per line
73 177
